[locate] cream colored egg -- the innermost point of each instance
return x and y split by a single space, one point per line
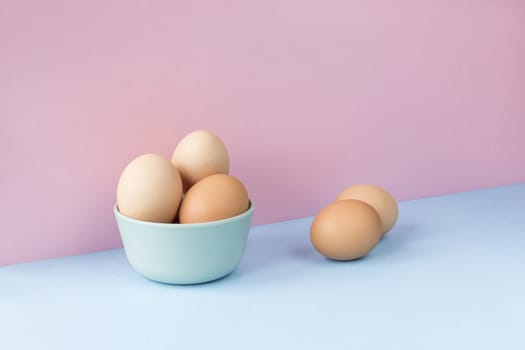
198 155
346 230
215 197
149 189
378 198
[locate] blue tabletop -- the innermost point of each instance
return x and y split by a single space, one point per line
451 274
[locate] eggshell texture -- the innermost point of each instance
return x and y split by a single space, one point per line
215 197
346 230
200 154
379 199
149 189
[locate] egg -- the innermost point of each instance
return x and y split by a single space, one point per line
149 189
215 197
198 155
379 199
346 230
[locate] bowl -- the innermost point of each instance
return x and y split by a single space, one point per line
184 253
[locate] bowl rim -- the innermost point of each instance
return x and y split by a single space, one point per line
244 214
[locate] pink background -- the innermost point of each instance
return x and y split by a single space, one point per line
420 97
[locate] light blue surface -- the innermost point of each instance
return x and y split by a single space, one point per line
450 275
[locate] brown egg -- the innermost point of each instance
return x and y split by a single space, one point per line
215 197
200 154
346 230
149 189
379 199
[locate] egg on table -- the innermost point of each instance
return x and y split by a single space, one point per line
346 230
379 199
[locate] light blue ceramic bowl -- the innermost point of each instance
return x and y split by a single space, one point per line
184 253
